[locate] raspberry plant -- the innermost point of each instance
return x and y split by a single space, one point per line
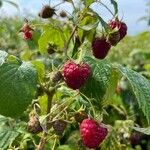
67 83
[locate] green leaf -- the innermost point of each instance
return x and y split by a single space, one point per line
7 136
104 24
87 27
51 36
140 87
12 3
88 2
114 78
17 88
115 4
40 69
66 147
99 80
142 130
1 4
3 120
111 143
3 55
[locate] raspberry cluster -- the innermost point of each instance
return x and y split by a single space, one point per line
102 45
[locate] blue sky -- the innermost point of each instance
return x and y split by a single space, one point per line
130 11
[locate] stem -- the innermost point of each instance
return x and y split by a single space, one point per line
73 5
54 145
49 100
68 42
42 142
50 94
94 113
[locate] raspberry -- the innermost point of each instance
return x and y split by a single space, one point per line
75 75
34 125
59 126
122 27
136 138
92 133
27 35
100 47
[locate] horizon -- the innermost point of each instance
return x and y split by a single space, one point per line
131 11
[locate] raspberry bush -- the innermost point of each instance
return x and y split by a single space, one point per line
63 85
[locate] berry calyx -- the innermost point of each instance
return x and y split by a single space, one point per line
27 35
121 26
100 47
75 75
92 133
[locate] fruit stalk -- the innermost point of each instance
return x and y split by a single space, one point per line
50 94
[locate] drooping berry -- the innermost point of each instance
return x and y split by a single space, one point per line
100 47
34 125
27 35
47 12
92 133
122 27
59 126
75 75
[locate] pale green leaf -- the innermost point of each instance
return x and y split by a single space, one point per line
142 130
3 55
7 136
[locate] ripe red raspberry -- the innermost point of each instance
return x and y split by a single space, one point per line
122 27
100 47
27 35
75 75
92 133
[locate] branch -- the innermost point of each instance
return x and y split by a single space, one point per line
50 94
